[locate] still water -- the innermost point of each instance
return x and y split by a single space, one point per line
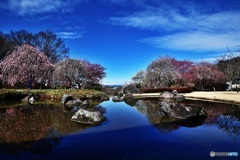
135 131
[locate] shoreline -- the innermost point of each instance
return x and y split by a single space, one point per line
216 96
52 94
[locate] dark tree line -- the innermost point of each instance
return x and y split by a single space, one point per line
229 64
45 41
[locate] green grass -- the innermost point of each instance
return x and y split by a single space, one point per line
53 93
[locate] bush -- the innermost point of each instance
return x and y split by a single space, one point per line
179 90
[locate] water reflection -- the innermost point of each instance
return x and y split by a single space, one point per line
230 124
225 116
45 131
36 128
42 146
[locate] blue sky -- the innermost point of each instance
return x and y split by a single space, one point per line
126 35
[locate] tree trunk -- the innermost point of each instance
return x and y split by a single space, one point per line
69 80
79 86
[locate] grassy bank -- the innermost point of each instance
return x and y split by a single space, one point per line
53 94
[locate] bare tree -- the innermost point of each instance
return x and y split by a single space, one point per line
80 72
138 79
70 70
51 45
161 73
45 41
229 64
5 46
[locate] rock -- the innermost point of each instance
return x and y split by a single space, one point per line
66 98
85 103
117 99
31 100
131 88
175 110
112 90
33 96
174 92
88 117
130 100
76 102
25 99
179 97
167 95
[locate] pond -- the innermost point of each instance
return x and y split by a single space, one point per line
135 131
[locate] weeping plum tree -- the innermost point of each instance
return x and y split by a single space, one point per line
26 62
80 72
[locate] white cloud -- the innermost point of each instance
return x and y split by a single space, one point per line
213 58
35 7
196 41
189 28
171 20
153 19
71 32
70 35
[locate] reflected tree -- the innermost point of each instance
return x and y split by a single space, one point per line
37 129
230 124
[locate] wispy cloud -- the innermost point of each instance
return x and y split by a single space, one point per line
196 41
69 35
188 28
36 7
71 32
214 58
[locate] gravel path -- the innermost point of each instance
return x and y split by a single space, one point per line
225 96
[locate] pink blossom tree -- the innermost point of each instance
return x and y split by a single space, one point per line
25 63
94 73
206 74
183 67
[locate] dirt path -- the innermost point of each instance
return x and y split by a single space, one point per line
225 96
